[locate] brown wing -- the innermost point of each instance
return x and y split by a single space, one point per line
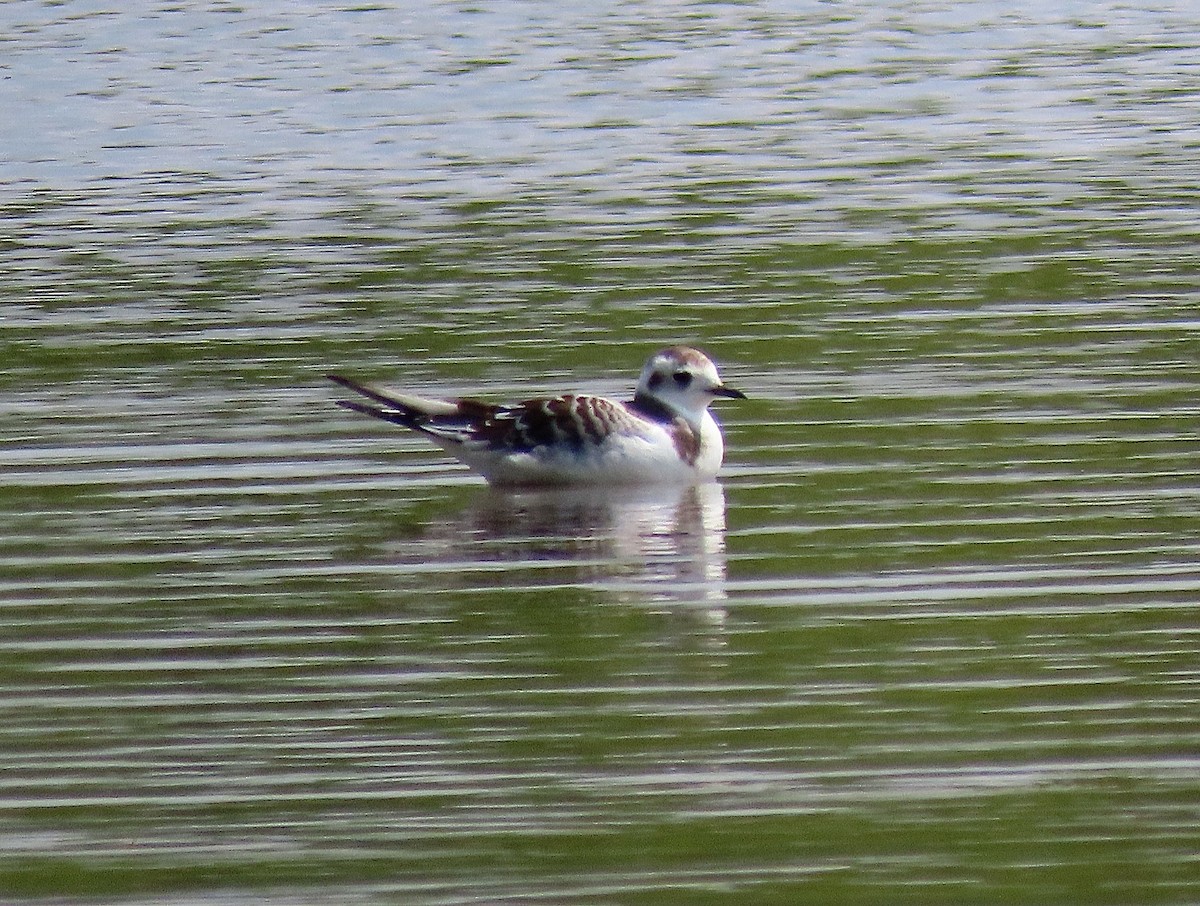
561 421
571 420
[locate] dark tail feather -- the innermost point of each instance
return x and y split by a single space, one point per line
405 417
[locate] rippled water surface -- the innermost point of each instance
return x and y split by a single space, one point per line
932 638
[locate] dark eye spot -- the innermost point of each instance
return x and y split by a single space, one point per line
655 381
682 379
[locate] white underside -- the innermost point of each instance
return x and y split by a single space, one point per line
621 459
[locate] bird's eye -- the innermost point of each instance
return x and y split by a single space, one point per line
682 379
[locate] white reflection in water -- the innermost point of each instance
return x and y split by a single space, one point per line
638 544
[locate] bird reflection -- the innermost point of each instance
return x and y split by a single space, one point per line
637 544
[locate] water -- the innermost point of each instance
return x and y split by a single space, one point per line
932 639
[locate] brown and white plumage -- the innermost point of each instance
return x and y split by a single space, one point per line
665 433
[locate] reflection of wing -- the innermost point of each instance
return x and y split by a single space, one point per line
642 544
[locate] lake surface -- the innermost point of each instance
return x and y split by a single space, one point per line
934 636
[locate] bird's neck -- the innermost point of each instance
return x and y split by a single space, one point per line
655 409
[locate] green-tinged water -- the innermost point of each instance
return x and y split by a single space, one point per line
934 637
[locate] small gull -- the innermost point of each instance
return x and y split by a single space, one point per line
664 434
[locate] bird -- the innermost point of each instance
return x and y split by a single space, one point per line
665 434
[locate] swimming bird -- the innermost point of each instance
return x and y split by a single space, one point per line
664 434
